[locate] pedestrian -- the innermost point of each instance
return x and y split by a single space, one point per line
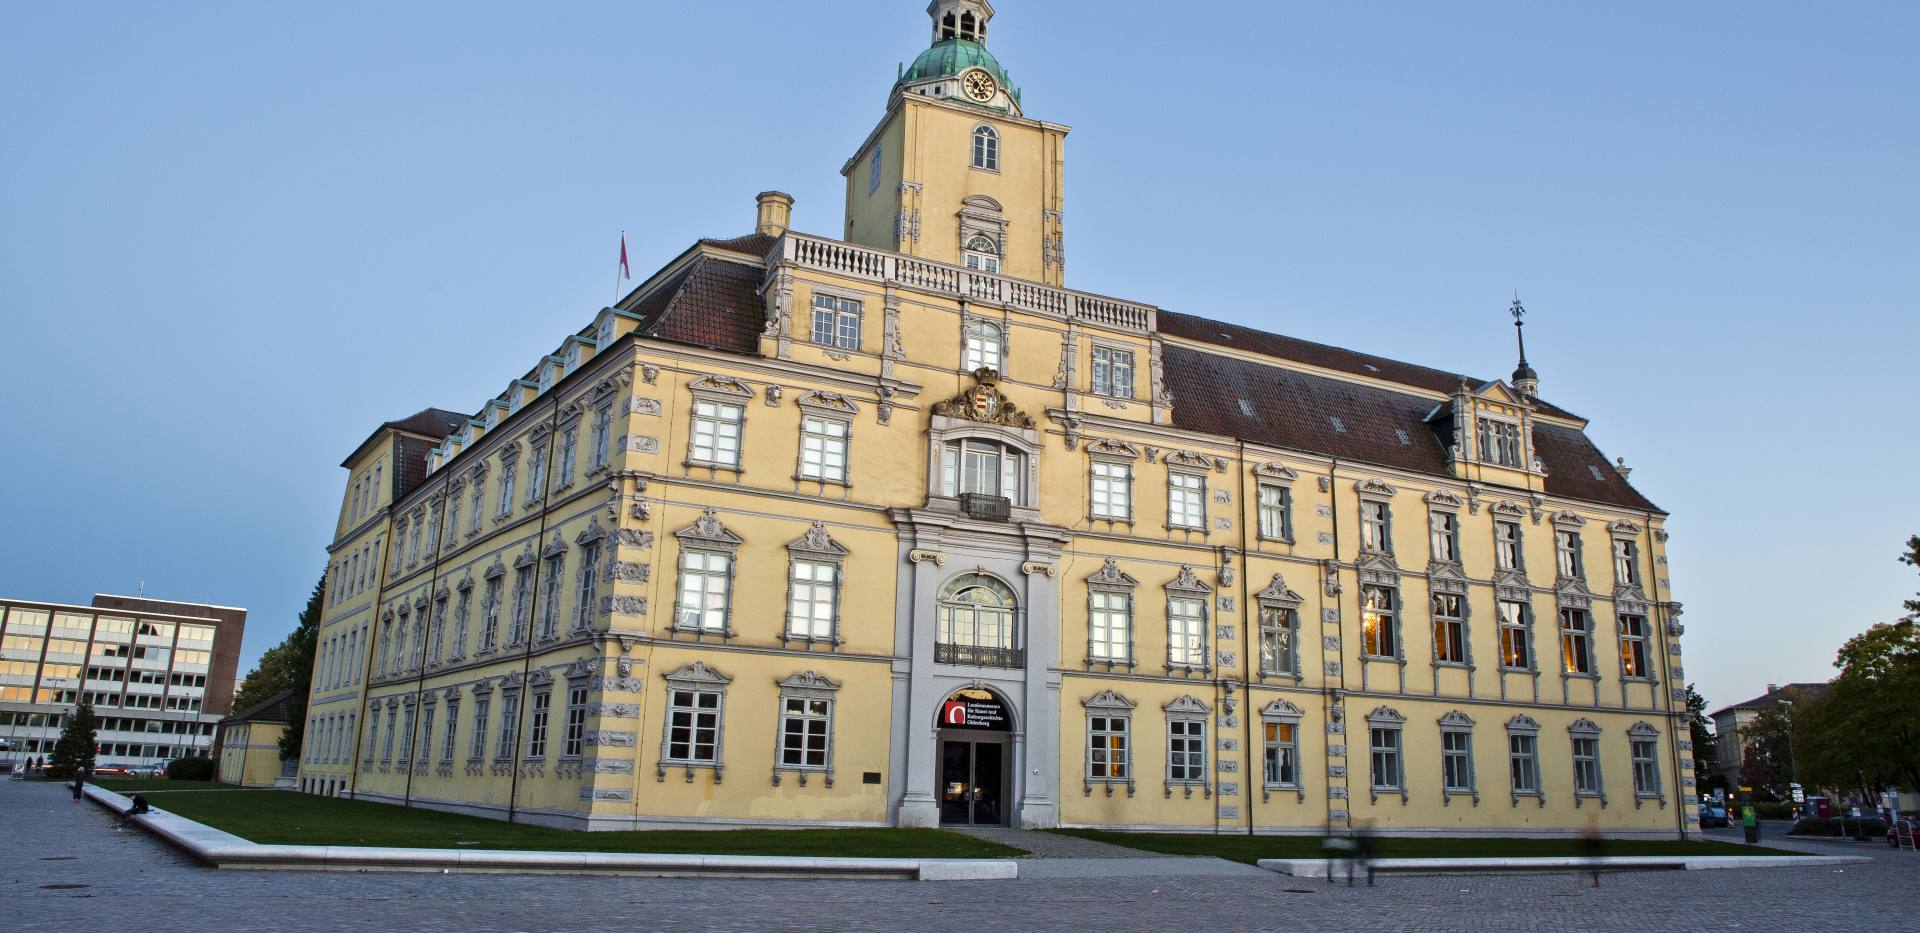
1592 847
79 783
139 808
1363 850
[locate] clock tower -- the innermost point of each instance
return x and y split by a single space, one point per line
956 172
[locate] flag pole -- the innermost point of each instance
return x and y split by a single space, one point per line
619 270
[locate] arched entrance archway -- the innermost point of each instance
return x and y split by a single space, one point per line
975 731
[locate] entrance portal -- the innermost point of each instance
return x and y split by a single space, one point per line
972 782
974 728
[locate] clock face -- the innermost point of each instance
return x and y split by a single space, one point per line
979 85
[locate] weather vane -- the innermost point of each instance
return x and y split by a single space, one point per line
1519 311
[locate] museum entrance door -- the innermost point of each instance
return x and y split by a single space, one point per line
974 732
973 780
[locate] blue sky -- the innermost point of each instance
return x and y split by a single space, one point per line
236 237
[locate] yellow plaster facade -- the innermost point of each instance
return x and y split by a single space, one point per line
250 753
813 532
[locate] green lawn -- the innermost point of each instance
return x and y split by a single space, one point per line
286 818
1250 849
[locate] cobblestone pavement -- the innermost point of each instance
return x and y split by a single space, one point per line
133 881
1041 845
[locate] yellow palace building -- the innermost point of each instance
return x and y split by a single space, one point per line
897 530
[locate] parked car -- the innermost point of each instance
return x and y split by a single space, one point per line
1713 814
145 771
1903 829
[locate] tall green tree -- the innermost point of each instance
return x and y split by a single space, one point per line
79 740
288 665
1770 753
1865 732
1700 730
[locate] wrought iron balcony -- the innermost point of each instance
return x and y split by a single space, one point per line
980 656
982 507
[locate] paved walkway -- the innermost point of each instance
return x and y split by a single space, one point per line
66 869
1041 845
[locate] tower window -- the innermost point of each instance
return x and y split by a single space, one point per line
986 148
873 171
981 254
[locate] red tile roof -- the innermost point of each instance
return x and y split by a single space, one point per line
1220 333
1283 407
714 304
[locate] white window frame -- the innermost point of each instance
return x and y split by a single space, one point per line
1450 618
1444 536
1580 637
1523 759
1507 553
539 718
1380 624
477 741
710 600
986 346
1187 500
806 595
573 740
1456 729
1188 758
1636 655
1275 503
509 734
1187 635
1376 526
817 701
1584 743
1113 372
842 318
824 440
1523 627
979 253
1498 442
688 689
986 148
1386 767
1647 784
1626 562
1567 556
1110 494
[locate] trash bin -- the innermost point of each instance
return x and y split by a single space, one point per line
1750 824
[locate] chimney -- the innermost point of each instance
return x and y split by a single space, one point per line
776 213
1773 689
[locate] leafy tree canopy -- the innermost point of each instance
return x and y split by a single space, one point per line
288 664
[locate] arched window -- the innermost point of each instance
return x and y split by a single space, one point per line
986 148
977 620
981 254
984 346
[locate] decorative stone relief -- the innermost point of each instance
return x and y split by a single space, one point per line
604 739
619 794
615 710
628 537
629 572
921 556
1325 537
624 605
1033 567
773 396
643 406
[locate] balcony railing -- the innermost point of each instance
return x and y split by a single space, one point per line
980 656
846 259
985 508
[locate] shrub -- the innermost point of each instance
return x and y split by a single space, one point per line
1774 811
196 768
1852 829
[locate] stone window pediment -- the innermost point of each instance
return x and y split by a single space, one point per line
697 674
495 571
1113 449
1278 595
707 533
808 684
1584 726
554 548
1442 499
1187 582
817 544
592 533
1281 709
828 404
726 387
1277 471
1523 725
1111 577
1108 700
1386 716
1374 489
1455 719
526 558
1186 705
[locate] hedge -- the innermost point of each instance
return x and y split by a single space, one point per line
196 768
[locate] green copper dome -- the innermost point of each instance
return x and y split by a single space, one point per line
952 57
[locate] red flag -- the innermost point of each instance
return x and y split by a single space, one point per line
624 271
